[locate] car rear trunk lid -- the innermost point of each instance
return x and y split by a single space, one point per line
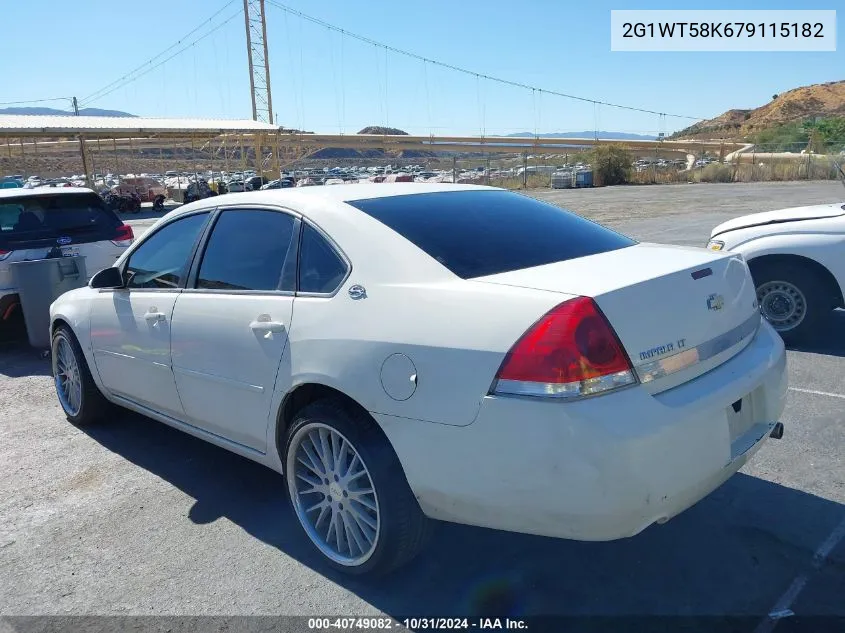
678 311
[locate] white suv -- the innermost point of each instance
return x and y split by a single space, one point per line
73 219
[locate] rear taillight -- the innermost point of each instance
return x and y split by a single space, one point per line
4 254
124 236
572 351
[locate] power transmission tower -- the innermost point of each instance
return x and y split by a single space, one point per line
259 63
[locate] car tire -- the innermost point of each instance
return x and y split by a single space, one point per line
390 529
83 405
792 298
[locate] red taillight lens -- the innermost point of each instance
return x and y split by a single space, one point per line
572 351
124 236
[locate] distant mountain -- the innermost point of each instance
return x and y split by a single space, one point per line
55 112
587 134
348 152
378 129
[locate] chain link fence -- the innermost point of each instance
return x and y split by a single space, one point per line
760 163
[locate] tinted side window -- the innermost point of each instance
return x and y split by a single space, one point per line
162 260
33 221
320 267
246 251
477 233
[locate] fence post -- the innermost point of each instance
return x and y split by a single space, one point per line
23 158
454 170
525 170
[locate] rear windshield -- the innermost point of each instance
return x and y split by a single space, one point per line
28 221
478 233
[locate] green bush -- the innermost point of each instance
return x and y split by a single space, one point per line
790 137
611 164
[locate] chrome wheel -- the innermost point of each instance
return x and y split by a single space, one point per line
782 304
67 376
333 494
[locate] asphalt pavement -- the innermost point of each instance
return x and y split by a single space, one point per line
134 518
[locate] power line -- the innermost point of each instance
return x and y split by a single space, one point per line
107 89
167 59
9 103
465 71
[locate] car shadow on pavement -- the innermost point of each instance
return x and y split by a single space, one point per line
18 359
829 341
734 553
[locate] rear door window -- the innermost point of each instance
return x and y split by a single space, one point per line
247 250
321 268
485 232
37 221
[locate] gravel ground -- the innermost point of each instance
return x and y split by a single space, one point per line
134 518
684 214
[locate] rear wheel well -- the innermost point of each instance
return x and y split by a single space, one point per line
8 305
824 275
302 396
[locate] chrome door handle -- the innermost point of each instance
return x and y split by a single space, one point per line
264 324
154 315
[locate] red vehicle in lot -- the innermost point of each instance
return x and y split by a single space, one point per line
145 188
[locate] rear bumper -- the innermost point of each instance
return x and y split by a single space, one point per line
602 468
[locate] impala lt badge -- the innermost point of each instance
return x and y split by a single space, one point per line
715 302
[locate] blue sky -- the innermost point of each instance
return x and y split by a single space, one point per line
326 82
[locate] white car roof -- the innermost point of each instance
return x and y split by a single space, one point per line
41 191
300 198
366 241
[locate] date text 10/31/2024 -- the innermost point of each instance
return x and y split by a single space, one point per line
416 624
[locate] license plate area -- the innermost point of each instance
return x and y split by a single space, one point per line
740 416
744 428
70 251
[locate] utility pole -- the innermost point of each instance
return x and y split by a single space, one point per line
259 61
82 152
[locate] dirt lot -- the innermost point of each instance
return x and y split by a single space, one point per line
134 518
644 210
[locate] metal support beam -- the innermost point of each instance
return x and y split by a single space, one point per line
277 165
23 163
259 61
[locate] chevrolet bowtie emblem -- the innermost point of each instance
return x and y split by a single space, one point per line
715 302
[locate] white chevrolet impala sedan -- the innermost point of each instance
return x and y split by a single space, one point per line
406 352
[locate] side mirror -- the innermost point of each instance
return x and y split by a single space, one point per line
107 278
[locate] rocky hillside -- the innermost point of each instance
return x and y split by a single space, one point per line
800 104
378 129
348 152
